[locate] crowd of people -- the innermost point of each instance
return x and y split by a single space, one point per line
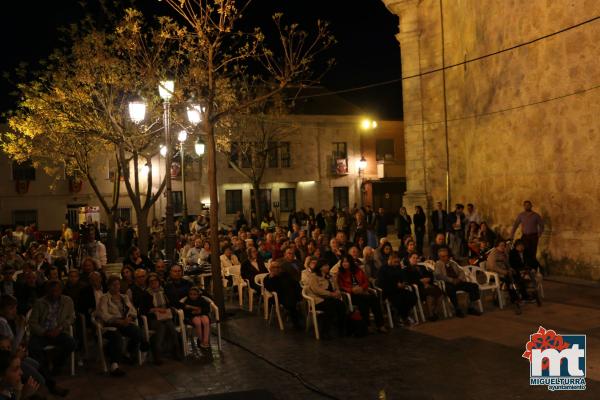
341 258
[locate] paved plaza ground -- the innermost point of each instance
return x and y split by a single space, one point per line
474 358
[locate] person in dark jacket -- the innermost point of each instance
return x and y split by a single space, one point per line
287 289
415 274
135 259
420 221
177 287
380 223
137 291
526 266
403 224
197 310
253 266
395 289
439 218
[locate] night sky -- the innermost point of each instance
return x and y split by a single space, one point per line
367 51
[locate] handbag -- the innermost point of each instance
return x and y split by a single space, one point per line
164 316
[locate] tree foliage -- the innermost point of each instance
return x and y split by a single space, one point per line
74 112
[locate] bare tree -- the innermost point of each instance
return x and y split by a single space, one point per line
222 59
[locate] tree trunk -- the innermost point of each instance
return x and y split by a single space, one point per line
217 282
257 209
143 231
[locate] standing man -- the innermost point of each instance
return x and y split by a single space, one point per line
439 218
532 227
456 230
472 215
380 222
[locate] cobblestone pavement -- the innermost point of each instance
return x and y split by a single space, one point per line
474 358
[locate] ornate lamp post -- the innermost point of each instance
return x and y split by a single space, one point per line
165 90
182 137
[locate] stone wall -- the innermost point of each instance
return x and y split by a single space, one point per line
521 123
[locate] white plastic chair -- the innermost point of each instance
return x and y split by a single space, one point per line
471 278
258 279
275 308
312 313
492 281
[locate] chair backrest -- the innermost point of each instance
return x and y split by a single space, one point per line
429 264
308 297
259 278
474 270
467 271
482 265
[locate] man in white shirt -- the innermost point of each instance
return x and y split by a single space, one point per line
472 214
193 253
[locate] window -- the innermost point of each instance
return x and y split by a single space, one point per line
272 155
340 197
24 217
340 150
73 214
384 149
286 156
23 171
177 201
233 201
287 199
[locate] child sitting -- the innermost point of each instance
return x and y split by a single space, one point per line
197 309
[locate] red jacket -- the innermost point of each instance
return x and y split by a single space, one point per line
345 279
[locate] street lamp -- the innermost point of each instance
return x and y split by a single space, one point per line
163 150
182 137
137 111
199 147
165 90
194 113
362 164
368 124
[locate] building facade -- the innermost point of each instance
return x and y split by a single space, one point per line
315 166
500 106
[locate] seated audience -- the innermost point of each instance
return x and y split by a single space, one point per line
176 287
253 266
10 378
7 285
49 323
327 299
287 289
527 266
437 245
353 281
454 277
155 306
135 260
498 262
415 274
197 311
126 278
395 289
116 311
